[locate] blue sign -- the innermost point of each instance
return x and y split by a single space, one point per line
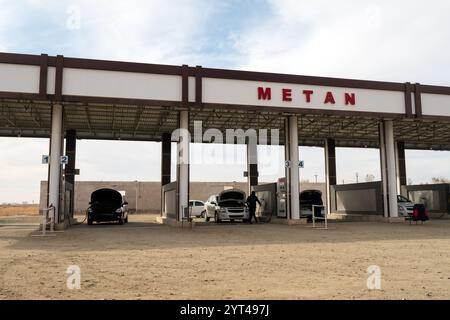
64 160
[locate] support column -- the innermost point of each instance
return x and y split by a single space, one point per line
252 163
183 163
166 153
292 172
166 162
388 172
401 166
69 172
56 139
330 169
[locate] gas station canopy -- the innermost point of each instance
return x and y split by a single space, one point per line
135 101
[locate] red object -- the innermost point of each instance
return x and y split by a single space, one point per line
350 98
329 98
287 94
264 94
308 94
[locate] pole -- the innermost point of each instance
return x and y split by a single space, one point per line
55 165
136 188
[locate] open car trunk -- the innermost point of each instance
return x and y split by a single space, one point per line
105 200
308 198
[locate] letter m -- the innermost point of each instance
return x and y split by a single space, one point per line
264 93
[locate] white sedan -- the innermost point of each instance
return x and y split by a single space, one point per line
196 208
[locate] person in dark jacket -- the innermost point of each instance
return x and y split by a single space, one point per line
251 203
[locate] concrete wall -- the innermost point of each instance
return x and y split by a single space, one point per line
435 197
149 192
357 198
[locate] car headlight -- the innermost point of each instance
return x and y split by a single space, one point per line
119 210
223 210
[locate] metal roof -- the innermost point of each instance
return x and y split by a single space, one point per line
20 118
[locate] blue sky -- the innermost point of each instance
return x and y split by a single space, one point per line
211 42
353 39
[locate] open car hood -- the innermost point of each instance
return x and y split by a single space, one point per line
233 194
106 196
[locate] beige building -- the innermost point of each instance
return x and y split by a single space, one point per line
146 195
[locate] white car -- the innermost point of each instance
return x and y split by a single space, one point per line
210 208
227 205
405 206
196 208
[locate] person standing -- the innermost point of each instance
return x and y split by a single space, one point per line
251 203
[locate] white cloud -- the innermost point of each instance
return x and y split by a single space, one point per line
155 31
138 30
7 16
148 31
382 40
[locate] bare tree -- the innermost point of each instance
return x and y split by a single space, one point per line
440 180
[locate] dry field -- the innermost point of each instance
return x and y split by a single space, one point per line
144 260
19 210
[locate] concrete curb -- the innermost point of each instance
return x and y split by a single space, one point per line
364 218
175 223
290 222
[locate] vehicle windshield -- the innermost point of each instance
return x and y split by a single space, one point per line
402 199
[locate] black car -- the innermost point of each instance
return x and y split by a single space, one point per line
308 198
107 205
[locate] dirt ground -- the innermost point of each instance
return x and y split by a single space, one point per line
144 260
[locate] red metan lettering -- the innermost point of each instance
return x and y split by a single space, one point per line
308 94
329 98
264 94
350 98
287 94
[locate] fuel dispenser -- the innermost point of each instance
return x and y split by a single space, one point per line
281 198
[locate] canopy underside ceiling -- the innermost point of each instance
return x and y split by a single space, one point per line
147 123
